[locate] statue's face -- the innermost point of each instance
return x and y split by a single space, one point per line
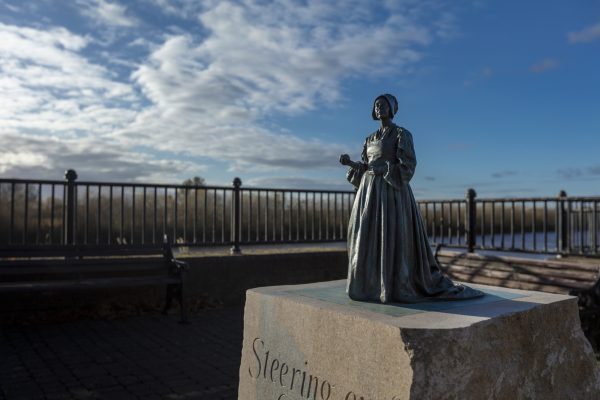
382 109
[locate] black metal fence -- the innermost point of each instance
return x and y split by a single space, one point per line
44 212
553 225
38 212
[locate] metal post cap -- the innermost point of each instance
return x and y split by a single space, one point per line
237 182
70 175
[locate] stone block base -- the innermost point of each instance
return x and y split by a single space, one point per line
312 342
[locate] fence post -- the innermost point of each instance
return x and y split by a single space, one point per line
563 223
471 219
236 217
70 176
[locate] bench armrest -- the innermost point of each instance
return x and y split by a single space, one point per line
181 265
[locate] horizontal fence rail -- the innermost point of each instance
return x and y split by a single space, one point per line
47 212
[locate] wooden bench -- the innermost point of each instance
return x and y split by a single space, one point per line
560 276
85 267
554 276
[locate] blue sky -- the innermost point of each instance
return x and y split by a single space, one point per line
500 96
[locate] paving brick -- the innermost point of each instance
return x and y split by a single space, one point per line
58 393
115 394
53 387
139 388
136 358
127 379
59 396
24 392
89 370
96 382
83 394
154 397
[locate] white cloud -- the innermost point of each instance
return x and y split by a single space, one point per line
588 34
52 43
212 93
47 85
546 64
56 108
107 12
92 158
11 7
203 95
187 9
9 157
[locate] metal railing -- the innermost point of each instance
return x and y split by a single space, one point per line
551 225
45 212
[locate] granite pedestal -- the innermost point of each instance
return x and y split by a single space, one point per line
312 342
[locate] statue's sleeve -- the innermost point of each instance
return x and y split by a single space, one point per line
402 172
354 174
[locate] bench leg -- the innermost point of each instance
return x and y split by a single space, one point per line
176 291
181 299
169 299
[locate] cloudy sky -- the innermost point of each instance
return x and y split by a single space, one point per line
501 96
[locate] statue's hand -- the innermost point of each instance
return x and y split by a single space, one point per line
345 159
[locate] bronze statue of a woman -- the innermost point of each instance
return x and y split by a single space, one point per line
390 259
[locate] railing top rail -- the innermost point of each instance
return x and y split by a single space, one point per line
180 186
581 198
167 186
537 199
213 187
264 189
151 185
445 201
32 181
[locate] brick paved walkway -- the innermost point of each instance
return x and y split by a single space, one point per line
150 357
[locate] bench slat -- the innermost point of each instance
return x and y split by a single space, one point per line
83 263
537 270
504 275
507 283
455 256
49 270
17 254
8 287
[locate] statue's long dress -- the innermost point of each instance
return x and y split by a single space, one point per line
390 259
